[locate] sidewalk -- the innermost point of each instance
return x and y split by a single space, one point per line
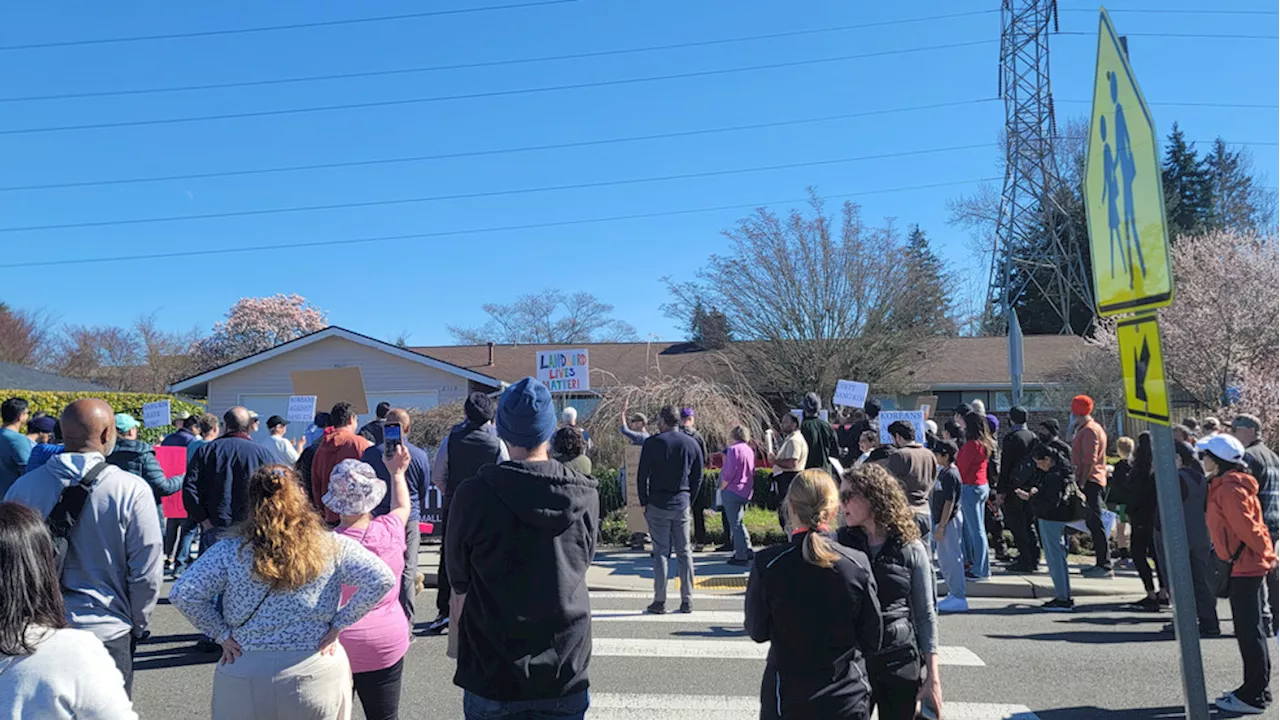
631 571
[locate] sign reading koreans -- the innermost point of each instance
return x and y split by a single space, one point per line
564 370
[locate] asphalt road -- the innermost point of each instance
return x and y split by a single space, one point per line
1099 662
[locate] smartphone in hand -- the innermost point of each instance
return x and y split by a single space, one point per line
391 439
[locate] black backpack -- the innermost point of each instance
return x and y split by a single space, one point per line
66 513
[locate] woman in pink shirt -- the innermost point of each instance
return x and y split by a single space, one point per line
376 643
736 480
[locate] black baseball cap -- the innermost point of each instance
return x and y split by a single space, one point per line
275 420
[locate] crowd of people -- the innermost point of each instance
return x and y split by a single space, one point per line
305 581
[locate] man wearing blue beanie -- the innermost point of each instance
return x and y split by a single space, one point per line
521 537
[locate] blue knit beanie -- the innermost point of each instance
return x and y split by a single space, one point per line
526 414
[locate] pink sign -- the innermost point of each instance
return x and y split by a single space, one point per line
173 461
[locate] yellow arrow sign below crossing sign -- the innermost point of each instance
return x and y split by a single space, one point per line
1124 196
1142 362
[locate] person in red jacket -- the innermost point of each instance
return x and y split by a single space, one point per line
340 443
972 463
1238 532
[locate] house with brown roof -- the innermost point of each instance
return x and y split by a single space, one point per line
955 369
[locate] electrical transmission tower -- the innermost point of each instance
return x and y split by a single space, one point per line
1036 248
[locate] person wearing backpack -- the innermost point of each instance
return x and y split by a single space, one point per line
112 556
1242 542
1049 495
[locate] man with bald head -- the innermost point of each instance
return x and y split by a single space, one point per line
215 491
114 560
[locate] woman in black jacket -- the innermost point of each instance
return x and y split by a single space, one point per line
1141 509
815 667
1049 493
879 522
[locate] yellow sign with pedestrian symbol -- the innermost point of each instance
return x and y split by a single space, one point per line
1124 196
1142 363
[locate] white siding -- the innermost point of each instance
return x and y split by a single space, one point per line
382 373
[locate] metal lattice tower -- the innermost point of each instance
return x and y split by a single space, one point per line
1035 246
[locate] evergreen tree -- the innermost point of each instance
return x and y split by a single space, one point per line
1233 196
932 304
1188 197
708 329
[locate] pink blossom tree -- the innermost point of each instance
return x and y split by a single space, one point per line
257 324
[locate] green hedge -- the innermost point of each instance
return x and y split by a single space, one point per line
54 402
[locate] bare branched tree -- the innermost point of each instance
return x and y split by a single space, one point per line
546 317
827 298
102 354
24 335
167 356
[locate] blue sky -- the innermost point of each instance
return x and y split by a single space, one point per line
421 285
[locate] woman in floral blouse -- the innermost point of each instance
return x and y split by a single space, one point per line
280 575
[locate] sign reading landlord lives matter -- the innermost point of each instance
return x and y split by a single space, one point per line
564 370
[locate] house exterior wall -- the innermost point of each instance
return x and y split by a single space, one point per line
382 372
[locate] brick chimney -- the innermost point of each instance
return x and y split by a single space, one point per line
490 354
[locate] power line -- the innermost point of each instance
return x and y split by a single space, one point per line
488 63
273 28
469 231
1171 11
1202 36
1243 106
498 151
496 93
486 194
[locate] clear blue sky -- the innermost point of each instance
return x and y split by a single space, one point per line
420 286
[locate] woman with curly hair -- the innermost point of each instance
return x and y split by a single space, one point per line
570 447
815 667
879 522
280 575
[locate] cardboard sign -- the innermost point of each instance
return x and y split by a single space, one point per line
156 414
635 513
850 393
565 370
927 403
332 386
173 461
302 408
889 417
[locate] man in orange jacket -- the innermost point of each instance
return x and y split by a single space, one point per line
1089 460
341 444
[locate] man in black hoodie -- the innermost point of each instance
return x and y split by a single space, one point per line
521 537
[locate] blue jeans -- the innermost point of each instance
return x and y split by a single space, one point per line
186 535
973 502
1053 538
573 706
735 509
951 556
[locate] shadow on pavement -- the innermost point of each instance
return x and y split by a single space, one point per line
716 631
1090 637
636 564
1160 713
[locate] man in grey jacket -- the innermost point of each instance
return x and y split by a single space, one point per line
111 579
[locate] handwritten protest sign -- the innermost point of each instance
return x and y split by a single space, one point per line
156 414
302 408
564 370
850 393
889 417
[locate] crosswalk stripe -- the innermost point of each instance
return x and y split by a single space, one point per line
743 649
710 617
646 598
635 706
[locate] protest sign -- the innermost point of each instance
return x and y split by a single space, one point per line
635 512
302 408
564 370
156 414
173 463
928 403
850 393
888 417
332 386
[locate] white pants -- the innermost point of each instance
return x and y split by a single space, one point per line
951 555
299 685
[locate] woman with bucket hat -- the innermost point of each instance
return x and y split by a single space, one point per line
376 643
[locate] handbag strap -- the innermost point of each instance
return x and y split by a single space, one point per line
254 611
1236 555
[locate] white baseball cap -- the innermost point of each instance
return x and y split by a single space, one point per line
1224 447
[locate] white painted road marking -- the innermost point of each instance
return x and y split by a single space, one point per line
743 649
644 598
732 618
634 706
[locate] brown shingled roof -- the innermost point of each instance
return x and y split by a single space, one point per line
959 363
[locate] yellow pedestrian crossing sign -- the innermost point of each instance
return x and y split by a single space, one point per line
1142 363
1124 196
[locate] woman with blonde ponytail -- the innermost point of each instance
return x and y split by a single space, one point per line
815 667
280 575
880 523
